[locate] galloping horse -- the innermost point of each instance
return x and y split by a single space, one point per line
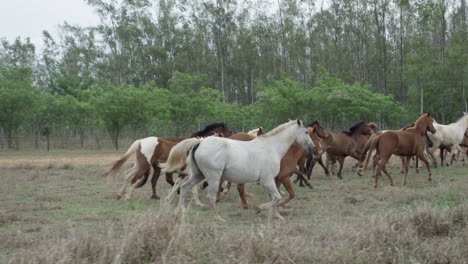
341 145
257 160
405 143
149 152
448 137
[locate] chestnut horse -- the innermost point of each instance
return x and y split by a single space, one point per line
405 143
341 145
371 140
151 151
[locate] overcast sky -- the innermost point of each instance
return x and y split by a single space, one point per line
28 18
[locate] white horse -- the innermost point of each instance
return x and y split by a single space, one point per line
257 160
447 136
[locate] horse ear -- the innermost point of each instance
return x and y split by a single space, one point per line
428 114
299 123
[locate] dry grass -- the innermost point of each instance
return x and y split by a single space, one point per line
62 213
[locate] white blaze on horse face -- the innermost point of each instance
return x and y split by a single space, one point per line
303 139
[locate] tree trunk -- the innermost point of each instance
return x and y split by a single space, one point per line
47 140
9 139
81 137
421 97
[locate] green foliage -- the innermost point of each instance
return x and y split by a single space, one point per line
17 99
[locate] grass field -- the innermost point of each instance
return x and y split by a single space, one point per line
56 207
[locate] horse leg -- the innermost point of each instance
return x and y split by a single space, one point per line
241 190
286 180
135 181
213 189
408 159
154 181
403 165
270 187
196 198
384 169
431 153
175 187
341 162
128 174
320 162
417 165
194 179
420 155
382 161
442 154
170 179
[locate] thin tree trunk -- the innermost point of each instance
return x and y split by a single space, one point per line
47 140
421 97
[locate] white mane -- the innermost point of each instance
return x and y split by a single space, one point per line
279 129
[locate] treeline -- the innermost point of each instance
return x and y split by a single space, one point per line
170 67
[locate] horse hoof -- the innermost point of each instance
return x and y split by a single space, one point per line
310 186
155 197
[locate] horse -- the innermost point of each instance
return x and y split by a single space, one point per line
448 137
294 157
373 139
343 144
257 160
405 143
148 153
361 140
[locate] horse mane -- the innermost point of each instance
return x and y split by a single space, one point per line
462 118
207 129
406 127
316 122
353 129
279 129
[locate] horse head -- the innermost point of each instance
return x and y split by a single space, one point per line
374 127
318 129
316 140
429 123
303 139
359 128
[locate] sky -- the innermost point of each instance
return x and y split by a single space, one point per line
28 18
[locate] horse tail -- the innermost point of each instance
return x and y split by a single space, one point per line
115 168
372 146
366 148
178 155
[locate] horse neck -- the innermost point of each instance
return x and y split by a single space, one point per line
282 141
420 127
463 122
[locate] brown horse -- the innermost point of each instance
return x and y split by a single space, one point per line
361 141
151 151
405 143
346 143
372 140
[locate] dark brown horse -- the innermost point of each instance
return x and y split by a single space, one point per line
407 143
151 151
346 143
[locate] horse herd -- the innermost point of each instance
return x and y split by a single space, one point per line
215 155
